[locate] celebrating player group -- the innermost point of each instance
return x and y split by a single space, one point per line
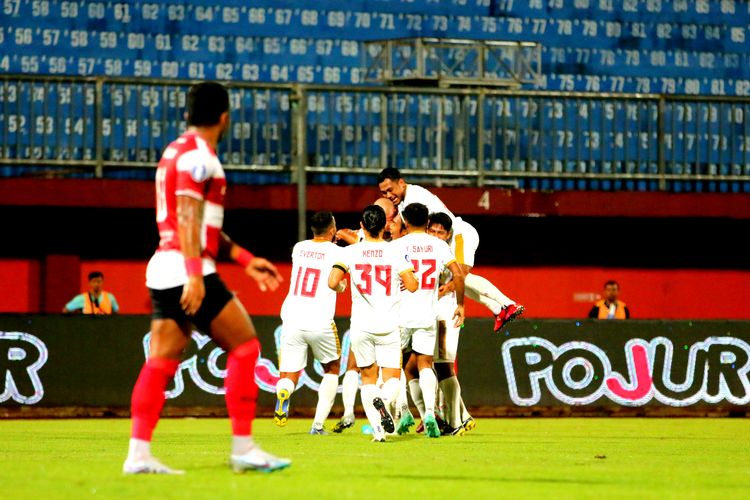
409 265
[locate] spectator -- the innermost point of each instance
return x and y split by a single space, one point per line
95 300
610 307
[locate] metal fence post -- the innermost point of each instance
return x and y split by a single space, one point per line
660 143
299 155
98 127
480 138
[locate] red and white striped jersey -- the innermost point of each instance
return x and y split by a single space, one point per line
188 167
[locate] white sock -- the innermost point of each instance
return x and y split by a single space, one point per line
242 444
484 292
428 384
390 391
402 402
416 396
326 394
349 393
138 449
285 383
367 393
452 391
464 412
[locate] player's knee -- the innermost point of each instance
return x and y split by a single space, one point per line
332 367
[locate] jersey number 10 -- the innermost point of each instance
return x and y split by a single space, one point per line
307 281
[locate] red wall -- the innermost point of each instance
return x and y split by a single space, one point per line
20 283
547 292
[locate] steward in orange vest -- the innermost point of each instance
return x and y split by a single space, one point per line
610 307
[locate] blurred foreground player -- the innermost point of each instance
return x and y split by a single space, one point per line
184 287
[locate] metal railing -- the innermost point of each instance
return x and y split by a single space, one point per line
470 136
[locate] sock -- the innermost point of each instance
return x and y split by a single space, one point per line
349 393
464 412
326 394
138 449
285 383
242 444
452 391
440 403
241 389
484 292
148 396
428 384
390 391
368 392
402 402
416 396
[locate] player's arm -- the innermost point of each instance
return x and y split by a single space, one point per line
348 236
189 212
458 284
336 281
409 280
261 270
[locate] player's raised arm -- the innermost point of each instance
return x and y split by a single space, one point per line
261 270
189 212
458 286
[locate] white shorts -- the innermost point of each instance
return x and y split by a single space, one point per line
465 242
383 349
325 346
419 340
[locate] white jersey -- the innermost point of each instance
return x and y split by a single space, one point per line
429 256
374 269
310 304
418 194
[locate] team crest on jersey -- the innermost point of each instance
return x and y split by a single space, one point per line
199 173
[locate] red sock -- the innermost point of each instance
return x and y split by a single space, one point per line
148 395
241 389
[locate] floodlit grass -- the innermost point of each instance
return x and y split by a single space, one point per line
501 458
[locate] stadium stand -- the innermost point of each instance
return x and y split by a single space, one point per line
642 95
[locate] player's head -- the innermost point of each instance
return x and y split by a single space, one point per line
397 228
392 185
96 281
440 226
416 216
373 221
611 290
323 224
388 207
208 106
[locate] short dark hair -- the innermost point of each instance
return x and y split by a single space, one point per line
391 173
205 103
611 282
443 219
373 219
96 274
416 215
321 222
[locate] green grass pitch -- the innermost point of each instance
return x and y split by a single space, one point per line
501 458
